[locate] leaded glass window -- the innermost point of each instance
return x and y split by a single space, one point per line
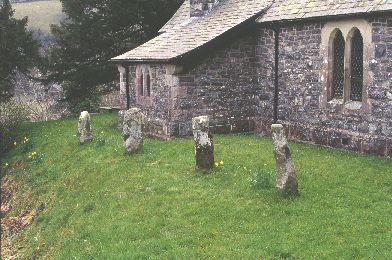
148 85
356 67
141 91
338 66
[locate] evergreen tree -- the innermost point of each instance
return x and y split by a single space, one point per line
94 32
18 49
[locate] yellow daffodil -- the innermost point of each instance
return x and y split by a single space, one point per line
216 164
15 143
221 162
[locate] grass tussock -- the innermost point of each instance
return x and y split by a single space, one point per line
103 204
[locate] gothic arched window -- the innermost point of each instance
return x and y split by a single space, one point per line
356 80
346 74
338 65
148 87
141 87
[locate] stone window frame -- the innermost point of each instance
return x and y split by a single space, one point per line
348 65
143 85
332 65
328 34
121 70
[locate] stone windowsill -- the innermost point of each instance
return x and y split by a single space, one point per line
349 105
353 105
335 101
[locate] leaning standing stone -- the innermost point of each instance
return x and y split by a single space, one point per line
286 179
204 146
84 128
120 119
132 130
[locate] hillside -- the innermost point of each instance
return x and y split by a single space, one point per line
40 13
61 200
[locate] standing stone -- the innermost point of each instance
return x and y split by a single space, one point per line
286 179
120 121
204 146
132 130
84 128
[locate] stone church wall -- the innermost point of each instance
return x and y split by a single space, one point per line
156 107
302 64
223 86
233 83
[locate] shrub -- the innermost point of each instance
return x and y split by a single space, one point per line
81 98
11 118
101 139
262 179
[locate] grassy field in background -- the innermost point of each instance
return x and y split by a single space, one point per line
40 13
103 204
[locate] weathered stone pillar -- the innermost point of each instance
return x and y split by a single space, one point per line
132 130
84 128
120 119
286 179
204 146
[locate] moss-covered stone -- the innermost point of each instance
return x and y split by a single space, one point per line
132 130
84 128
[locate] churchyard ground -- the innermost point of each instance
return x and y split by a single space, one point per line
94 201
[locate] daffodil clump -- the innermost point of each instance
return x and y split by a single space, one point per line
36 156
6 165
32 155
23 146
217 164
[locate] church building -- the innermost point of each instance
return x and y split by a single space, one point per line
322 68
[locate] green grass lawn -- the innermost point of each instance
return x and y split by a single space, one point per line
103 204
41 14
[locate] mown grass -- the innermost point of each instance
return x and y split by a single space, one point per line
103 204
41 14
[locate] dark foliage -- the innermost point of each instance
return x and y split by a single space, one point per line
18 49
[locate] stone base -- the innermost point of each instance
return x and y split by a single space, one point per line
340 139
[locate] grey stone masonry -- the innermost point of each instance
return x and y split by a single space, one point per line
286 178
132 130
306 113
84 128
232 82
204 145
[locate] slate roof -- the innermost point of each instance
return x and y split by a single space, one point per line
181 17
301 9
183 34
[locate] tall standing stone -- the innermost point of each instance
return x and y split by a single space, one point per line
132 130
286 179
84 128
204 146
120 121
